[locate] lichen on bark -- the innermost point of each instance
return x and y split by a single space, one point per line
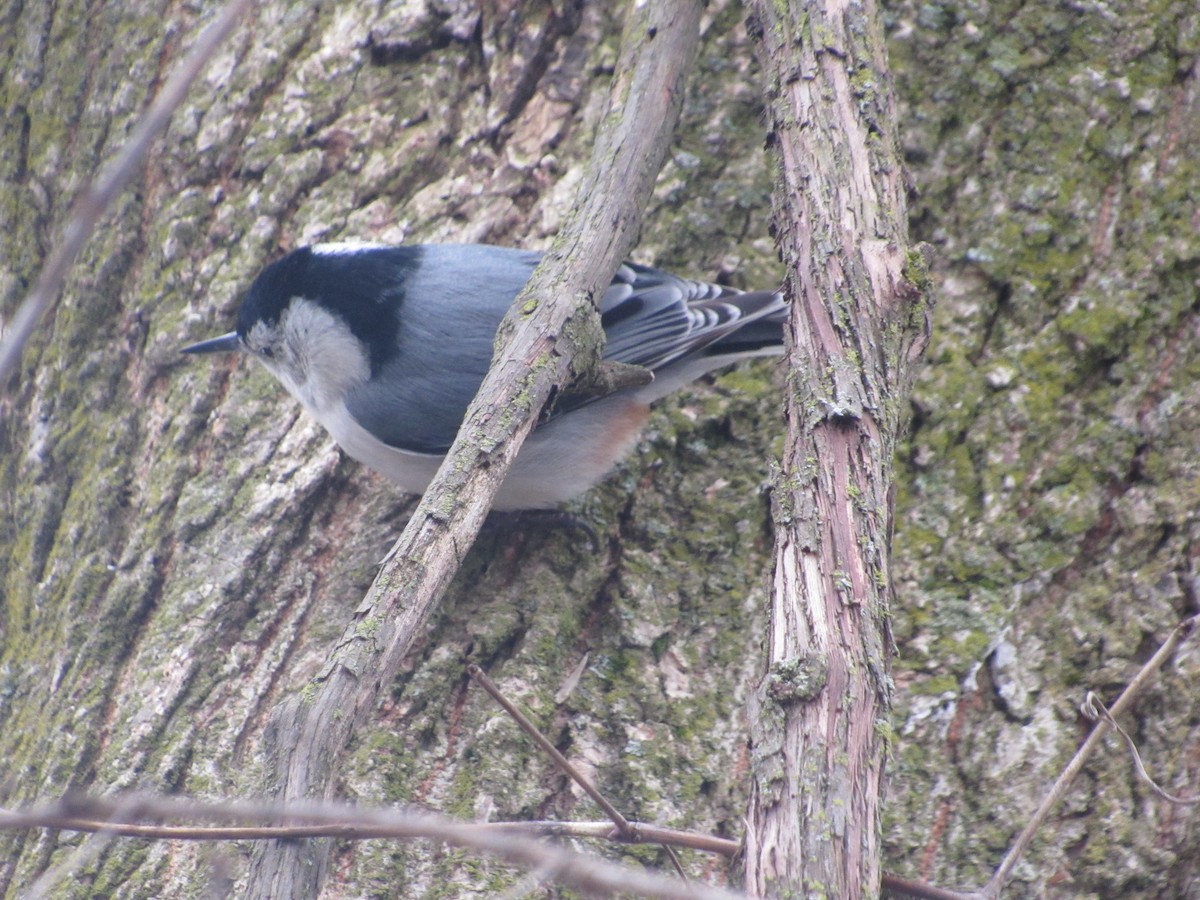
178 546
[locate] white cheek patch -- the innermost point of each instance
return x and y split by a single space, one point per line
260 336
316 356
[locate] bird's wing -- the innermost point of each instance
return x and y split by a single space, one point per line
653 318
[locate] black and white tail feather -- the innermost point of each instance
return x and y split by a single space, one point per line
680 328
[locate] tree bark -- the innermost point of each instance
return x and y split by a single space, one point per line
859 326
179 546
551 338
1047 529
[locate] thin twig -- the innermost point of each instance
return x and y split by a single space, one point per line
84 854
627 831
576 870
1178 634
356 824
115 819
644 834
894 885
355 828
652 834
623 827
674 857
97 197
1093 708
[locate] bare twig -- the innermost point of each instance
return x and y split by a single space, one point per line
1178 634
97 197
636 832
84 854
894 885
623 827
510 843
643 833
353 828
674 857
124 817
1094 709
626 831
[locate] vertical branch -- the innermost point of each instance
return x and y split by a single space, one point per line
818 719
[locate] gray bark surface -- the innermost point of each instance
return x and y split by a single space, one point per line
860 322
1047 537
179 546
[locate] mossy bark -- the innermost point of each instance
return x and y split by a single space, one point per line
184 545
180 545
1047 534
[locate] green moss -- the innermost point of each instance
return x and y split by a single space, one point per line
799 679
369 626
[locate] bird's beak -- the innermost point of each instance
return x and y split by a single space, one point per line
223 344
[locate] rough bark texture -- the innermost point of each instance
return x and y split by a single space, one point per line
859 324
549 339
182 546
1047 534
179 546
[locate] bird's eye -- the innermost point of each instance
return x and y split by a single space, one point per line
268 352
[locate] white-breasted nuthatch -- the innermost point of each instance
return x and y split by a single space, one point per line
386 346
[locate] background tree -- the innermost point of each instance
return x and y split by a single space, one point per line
1047 533
180 544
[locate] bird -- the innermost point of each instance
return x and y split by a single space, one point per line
386 345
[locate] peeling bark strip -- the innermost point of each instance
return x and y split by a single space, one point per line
551 323
818 720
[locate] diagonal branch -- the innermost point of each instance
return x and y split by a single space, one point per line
550 336
1067 776
625 830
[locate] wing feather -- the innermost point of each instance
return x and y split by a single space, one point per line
653 318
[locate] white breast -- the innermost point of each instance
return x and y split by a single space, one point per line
560 460
319 361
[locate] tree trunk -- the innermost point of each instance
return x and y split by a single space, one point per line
1047 536
181 546
859 326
